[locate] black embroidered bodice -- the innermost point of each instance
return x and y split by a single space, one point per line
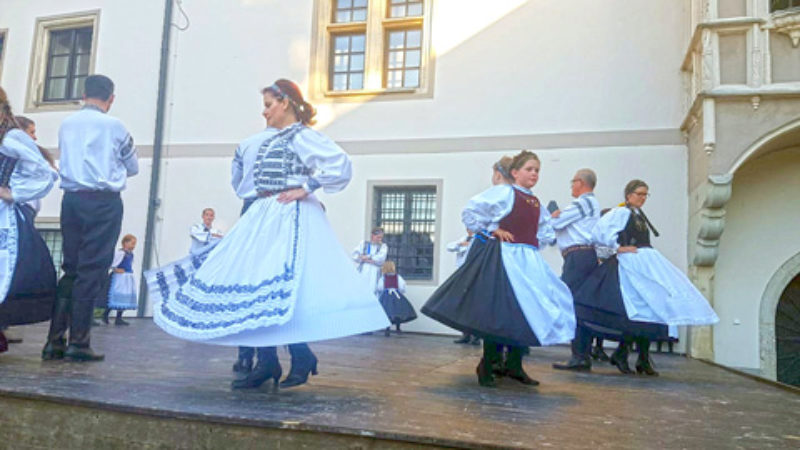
276 162
636 232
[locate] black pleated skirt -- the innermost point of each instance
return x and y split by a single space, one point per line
599 307
397 307
478 299
32 291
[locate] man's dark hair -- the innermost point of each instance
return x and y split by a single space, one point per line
99 87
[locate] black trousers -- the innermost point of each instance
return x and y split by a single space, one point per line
90 226
578 265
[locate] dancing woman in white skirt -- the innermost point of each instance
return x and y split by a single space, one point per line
279 276
637 294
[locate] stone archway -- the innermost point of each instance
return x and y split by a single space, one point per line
769 305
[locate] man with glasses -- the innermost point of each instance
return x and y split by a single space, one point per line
573 228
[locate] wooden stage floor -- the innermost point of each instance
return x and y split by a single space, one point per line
408 389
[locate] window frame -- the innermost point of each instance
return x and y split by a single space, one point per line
375 29
373 187
37 75
51 224
3 48
794 5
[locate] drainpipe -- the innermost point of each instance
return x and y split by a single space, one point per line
153 202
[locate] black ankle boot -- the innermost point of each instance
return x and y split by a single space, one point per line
268 367
304 363
620 358
485 375
387 332
243 366
514 367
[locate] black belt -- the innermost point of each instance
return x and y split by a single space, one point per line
265 194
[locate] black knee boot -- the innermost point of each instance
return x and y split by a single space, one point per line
304 363
514 369
267 367
644 364
56 342
488 364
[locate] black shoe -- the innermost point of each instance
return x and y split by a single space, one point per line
53 351
522 377
243 366
475 341
261 373
387 332
462 340
575 364
79 354
620 360
514 368
119 322
485 374
599 355
645 366
304 363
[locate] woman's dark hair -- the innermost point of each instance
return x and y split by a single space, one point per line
521 158
286 89
632 186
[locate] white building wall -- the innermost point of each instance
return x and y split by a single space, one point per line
752 249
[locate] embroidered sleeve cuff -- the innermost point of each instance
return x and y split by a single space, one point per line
311 185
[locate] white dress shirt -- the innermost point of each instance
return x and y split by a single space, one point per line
97 152
574 225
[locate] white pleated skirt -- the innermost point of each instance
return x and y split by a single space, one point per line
544 299
278 277
654 290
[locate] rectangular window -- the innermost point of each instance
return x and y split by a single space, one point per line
67 64
2 49
778 5
52 237
348 62
64 50
350 11
403 58
372 47
408 216
405 8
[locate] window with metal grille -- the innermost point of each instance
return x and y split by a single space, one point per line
347 67
405 8
68 58
403 58
407 215
52 237
778 5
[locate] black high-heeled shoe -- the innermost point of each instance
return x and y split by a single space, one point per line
304 363
645 366
620 359
268 367
243 366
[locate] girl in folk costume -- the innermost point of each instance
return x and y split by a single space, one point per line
370 256
505 292
391 288
27 274
279 276
636 294
122 292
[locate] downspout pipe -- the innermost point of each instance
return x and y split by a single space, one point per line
153 202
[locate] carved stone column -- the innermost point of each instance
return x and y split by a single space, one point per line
712 225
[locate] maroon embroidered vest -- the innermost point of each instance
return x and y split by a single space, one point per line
390 281
523 220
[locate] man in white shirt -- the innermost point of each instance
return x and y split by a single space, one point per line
204 233
97 157
573 228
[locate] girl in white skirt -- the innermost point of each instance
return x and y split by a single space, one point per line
122 289
279 276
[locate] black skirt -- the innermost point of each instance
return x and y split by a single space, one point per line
32 291
600 308
478 299
397 307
